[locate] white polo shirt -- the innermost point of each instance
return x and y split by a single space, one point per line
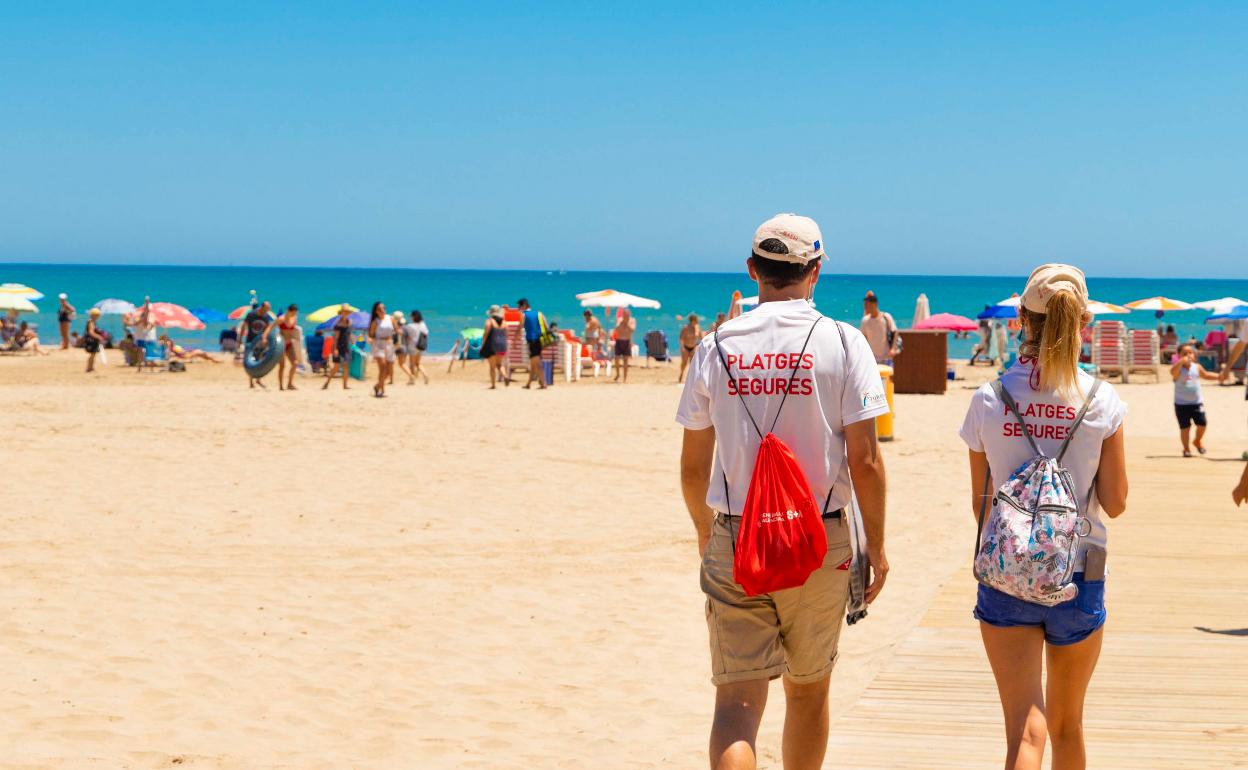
831 390
990 429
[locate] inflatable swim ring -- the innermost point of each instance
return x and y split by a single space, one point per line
259 361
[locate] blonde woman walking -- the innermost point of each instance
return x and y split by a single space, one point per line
1042 396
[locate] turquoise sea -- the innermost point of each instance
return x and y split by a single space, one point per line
454 299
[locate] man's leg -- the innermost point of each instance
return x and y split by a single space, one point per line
1200 435
1185 435
805 724
738 711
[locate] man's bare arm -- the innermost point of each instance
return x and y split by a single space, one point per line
866 465
696 456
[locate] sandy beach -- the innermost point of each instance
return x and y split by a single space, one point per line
196 575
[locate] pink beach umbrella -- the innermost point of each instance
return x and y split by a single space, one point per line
947 322
172 316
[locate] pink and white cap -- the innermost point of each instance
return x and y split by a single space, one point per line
1047 280
789 238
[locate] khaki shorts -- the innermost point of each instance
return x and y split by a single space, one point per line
794 632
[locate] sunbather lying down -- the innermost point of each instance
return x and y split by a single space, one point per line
180 353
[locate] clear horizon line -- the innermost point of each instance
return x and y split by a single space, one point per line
565 270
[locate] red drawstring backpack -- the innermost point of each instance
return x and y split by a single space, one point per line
781 540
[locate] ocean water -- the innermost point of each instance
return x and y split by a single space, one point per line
452 300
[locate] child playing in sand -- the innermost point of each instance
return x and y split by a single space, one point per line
1189 406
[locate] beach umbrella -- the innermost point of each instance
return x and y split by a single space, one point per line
239 312
172 316
994 312
922 310
18 303
734 306
613 298
359 320
1222 305
1234 314
948 322
1106 308
328 312
1014 301
113 306
21 290
472 334
209 315
1159 303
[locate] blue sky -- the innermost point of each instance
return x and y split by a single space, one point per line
970 138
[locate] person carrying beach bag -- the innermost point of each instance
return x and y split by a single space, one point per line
1051 437
779 408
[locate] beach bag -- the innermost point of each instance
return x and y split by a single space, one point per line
547 337
1028 545
422 341
781 539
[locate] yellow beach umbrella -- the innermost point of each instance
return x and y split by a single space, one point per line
328 312
1106 308
1159 303
21 290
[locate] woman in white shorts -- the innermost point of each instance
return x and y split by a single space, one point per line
381 337
1024 640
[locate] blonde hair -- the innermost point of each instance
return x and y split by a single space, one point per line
1054 341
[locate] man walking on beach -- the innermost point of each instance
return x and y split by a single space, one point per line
831 392
881 331
533 337
256 326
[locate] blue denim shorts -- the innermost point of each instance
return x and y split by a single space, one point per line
1066 623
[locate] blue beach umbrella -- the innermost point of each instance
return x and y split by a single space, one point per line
998 311
209 315
359 320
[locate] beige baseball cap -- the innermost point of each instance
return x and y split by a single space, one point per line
1047 280
789 238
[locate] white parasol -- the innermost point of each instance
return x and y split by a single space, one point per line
613 298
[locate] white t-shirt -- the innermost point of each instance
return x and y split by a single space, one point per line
762 347
988 429
876 330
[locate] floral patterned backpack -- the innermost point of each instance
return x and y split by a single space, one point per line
1027 547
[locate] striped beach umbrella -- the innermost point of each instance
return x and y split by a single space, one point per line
17 303
1106 308
172 316
21 290
1159 303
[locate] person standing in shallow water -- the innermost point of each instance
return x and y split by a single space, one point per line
1042 656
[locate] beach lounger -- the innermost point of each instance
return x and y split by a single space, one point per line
1144 353
1109 349
316 352
656 346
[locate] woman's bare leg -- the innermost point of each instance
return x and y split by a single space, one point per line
1070 671
294 361
1017 656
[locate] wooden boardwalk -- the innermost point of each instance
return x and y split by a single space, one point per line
1171 689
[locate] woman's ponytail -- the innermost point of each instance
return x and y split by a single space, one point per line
1059 344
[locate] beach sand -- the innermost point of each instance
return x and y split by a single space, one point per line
196 575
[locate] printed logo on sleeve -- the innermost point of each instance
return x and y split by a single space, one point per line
873 398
